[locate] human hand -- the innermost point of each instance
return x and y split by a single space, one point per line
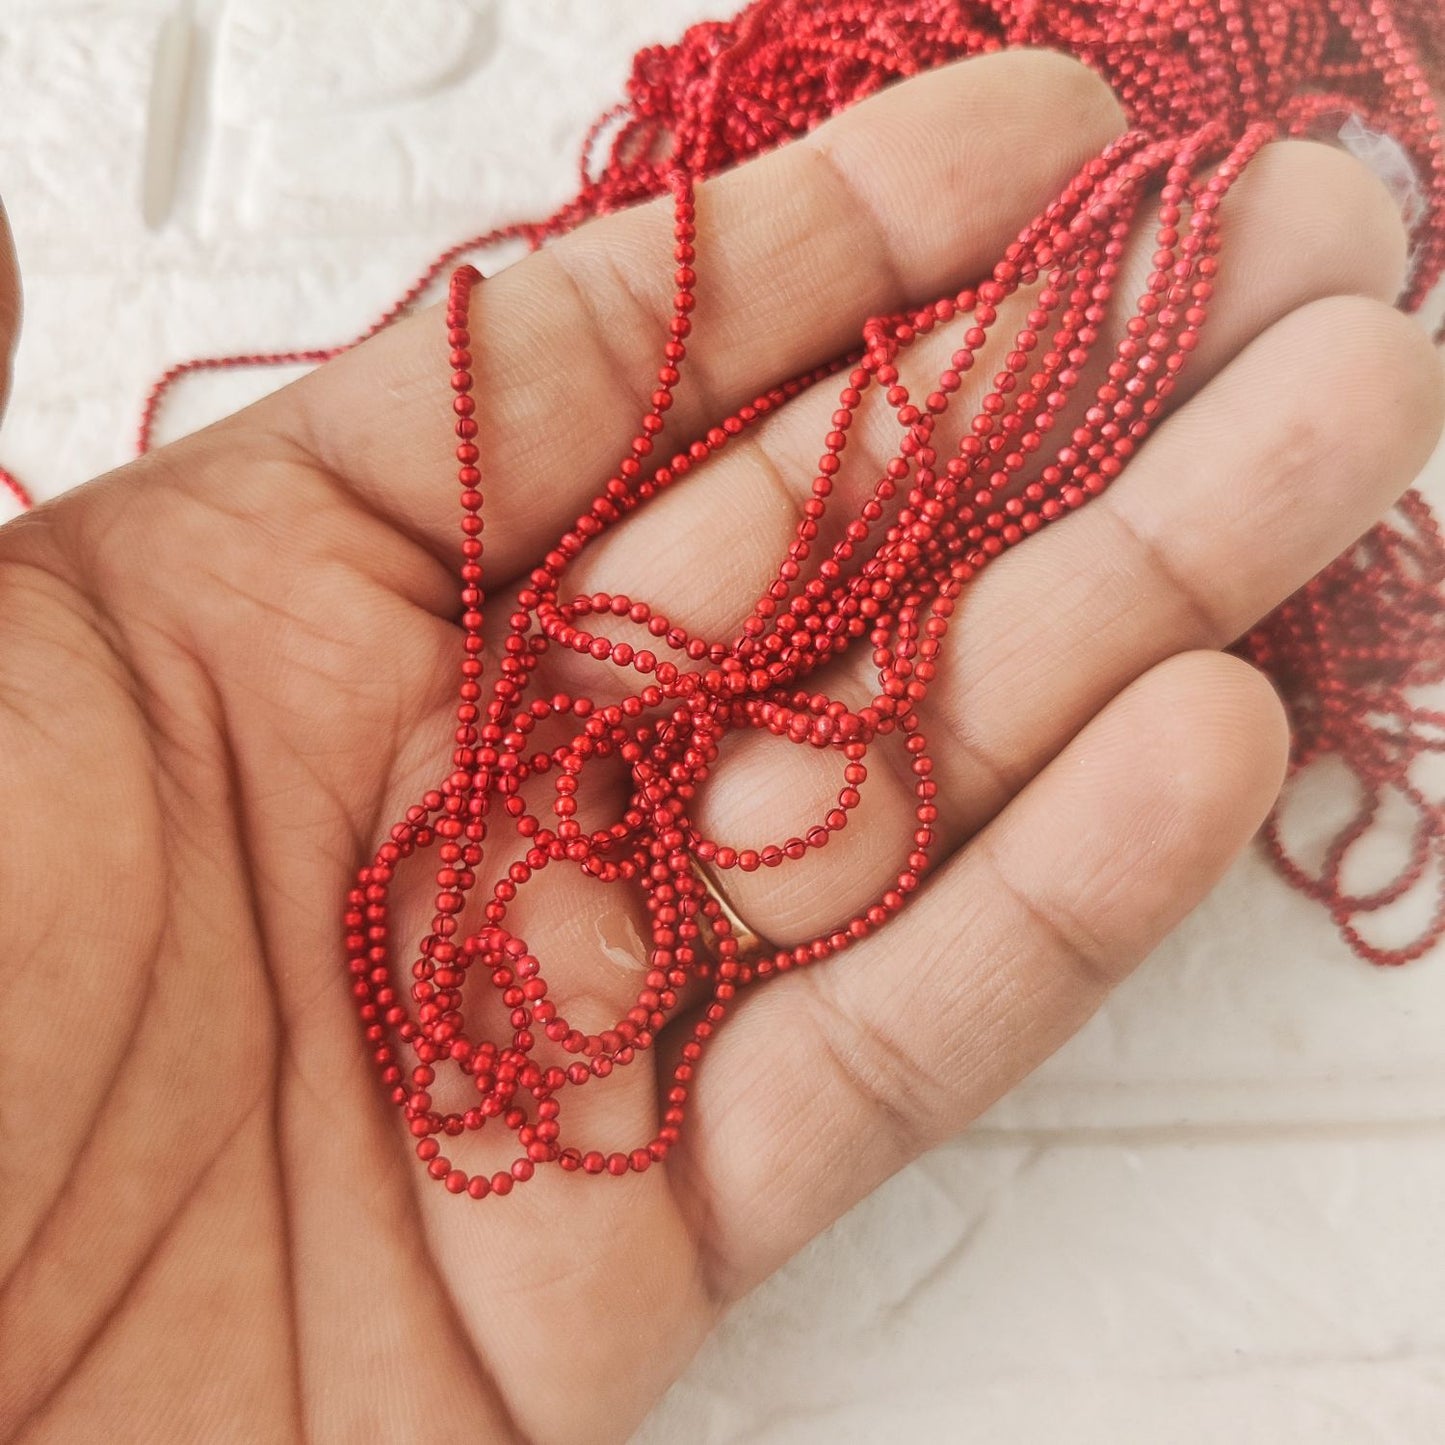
227 668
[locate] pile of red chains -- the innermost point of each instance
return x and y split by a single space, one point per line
1206 85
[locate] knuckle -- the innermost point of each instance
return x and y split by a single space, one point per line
1049 927
873 1069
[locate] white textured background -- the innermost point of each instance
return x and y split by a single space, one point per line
1217 1216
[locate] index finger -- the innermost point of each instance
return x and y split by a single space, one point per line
918 188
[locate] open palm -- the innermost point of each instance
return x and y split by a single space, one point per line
226 669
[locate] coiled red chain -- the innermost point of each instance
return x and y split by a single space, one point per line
1206 85
932 524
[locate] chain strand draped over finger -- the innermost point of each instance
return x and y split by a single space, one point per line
890 578
1351 651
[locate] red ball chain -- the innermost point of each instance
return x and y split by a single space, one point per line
1206 86
893 577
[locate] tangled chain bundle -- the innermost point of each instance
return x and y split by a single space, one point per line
1206 86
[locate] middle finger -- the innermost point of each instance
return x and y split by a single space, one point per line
1305 222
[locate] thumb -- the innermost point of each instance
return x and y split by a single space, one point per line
9 307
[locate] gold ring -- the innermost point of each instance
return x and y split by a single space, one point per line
748 942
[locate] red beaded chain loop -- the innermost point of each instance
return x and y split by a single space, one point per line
1205 86
930 525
